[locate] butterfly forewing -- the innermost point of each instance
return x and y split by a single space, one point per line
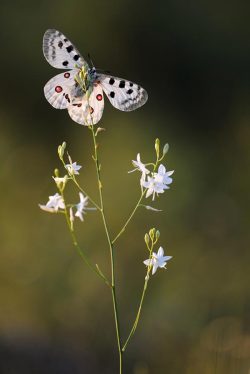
123 95
60 52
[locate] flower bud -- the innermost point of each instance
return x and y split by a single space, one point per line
56 172
61 149
157 234
152 234
146 238
157 147
165 149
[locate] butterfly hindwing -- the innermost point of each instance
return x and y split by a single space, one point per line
96 103
88 110
123 95
60 89
78 110
60 52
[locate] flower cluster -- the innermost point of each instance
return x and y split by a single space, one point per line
56 203
155 260
154 182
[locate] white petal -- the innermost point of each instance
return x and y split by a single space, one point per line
166 258
79 215
47 209
161 169
160 252
149 192
147 262
155 266
170 172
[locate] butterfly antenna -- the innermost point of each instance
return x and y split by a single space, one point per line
90 59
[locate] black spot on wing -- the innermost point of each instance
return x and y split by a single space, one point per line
122 84
70 48
65 63
111 81
112 94
76 57
131 84
130 91
60 44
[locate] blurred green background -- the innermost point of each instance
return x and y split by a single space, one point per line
55 316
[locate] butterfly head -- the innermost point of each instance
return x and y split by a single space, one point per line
92 74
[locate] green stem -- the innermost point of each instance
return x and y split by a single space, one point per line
132 331
80 251
111 250
129 218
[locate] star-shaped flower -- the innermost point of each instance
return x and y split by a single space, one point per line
158 260
54 204
159 181
81 206
140 166
72 167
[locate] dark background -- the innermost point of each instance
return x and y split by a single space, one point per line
55 316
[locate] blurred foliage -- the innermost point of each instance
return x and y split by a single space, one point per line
194 60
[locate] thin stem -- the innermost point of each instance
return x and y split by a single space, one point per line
111 250
132 331
129 218
80 251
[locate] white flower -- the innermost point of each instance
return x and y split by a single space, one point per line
159 181
72 167
141 167
163 175
54 204
81 206
158 260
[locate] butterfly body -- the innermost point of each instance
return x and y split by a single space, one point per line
80 89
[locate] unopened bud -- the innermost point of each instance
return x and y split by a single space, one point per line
56 172
157 234
165 149
61 149
146 238
157 147
152 234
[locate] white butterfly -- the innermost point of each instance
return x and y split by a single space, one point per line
80 88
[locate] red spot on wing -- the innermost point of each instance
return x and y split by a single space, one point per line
58 89
99 97
66 75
